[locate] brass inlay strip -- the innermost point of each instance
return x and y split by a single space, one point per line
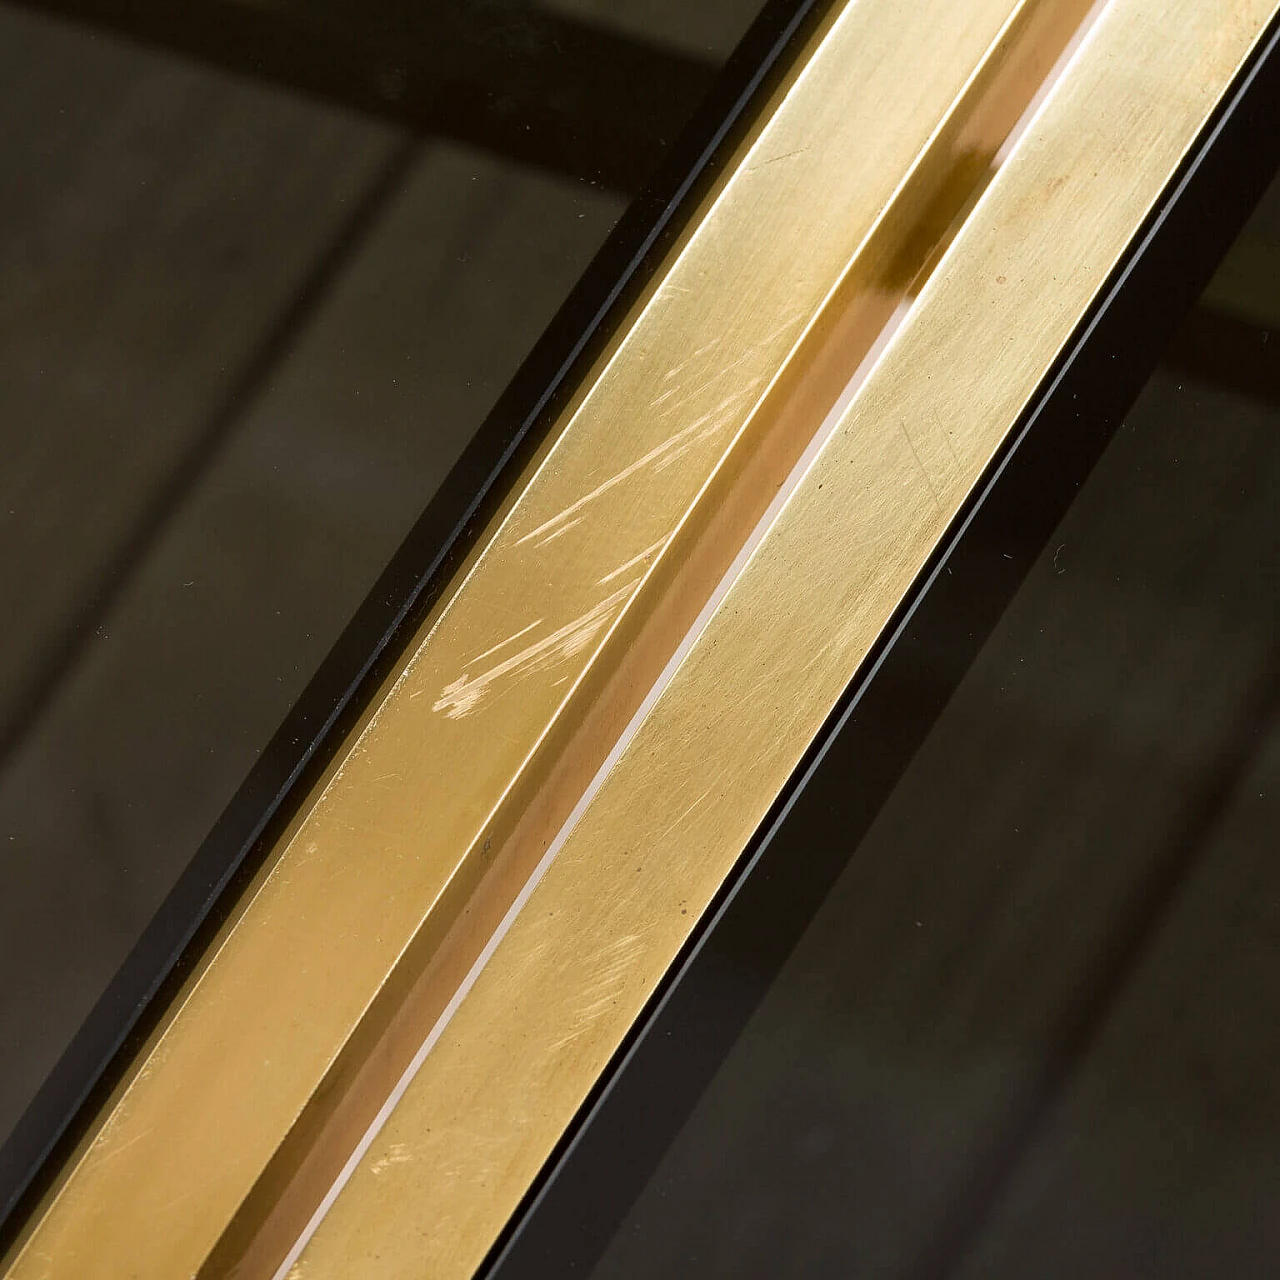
282 1046
647 855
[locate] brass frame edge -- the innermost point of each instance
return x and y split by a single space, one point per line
649 852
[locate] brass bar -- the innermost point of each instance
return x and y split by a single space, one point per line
884 271
575 967
280 1049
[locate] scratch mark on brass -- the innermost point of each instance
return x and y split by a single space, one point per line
463 695
502 644
694 432
631 564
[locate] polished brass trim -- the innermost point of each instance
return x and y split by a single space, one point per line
281 1048
649 851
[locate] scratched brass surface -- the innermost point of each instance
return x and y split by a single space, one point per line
532 1035
271 1037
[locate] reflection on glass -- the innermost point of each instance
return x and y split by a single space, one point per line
267 269
1032 1030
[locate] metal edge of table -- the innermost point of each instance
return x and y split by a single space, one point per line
477 747
608 914
725 978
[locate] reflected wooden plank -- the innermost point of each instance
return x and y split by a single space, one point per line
157 220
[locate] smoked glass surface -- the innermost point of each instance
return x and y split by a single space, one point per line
1032 1028
267 271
